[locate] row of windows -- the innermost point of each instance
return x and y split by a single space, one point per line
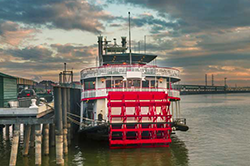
130 83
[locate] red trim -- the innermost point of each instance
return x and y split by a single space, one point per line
134 88
103 97
94 98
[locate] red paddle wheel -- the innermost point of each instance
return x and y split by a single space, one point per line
139 119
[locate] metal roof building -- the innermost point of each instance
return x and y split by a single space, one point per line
8 89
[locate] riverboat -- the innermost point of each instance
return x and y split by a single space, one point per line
129 99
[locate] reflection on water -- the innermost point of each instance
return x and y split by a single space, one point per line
87 152
219 135
93 153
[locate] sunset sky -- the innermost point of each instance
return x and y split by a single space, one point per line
195 36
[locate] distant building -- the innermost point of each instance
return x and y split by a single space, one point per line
76 84
10 86
45 85
8 89
23 83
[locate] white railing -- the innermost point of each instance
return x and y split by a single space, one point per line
102 92
121 70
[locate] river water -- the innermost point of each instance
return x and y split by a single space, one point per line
219 134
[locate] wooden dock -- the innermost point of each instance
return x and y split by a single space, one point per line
45 123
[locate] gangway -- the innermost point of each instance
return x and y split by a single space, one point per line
139 119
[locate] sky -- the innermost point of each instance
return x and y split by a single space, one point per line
197 37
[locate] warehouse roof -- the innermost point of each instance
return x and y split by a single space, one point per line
6 75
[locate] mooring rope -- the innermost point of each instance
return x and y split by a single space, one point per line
84 118
74 121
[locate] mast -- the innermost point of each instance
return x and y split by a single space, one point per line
130 57
145 44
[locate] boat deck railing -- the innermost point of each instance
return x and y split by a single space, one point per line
114 70
101 92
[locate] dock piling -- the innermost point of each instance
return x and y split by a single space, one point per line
46 139
26 140
58 125
38 144
64 118
59 149
68 111
65 142
69 134
32 136
52 135
7 132
14 148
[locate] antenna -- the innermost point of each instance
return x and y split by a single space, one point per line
139 46
130 57
145 44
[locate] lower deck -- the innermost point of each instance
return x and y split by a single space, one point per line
130 118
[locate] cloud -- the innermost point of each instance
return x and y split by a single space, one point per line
34 54
46 61
197 15
156 25
115 25
13 34
201 34
72 51
61 14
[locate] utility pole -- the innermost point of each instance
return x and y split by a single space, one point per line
206 79
212 80
225 81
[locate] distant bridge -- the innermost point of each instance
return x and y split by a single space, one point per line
202 89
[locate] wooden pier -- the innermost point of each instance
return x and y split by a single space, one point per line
44 124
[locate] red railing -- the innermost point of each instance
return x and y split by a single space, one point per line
132 126
103 92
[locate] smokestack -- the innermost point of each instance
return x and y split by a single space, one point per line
100 50
65 66
124 42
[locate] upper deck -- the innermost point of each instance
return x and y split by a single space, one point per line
122 71
126 71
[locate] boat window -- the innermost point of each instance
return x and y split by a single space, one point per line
154 84
108 83
89 85
137 83
133 83
118 83
145 84
168 87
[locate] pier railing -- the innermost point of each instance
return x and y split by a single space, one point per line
104 92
